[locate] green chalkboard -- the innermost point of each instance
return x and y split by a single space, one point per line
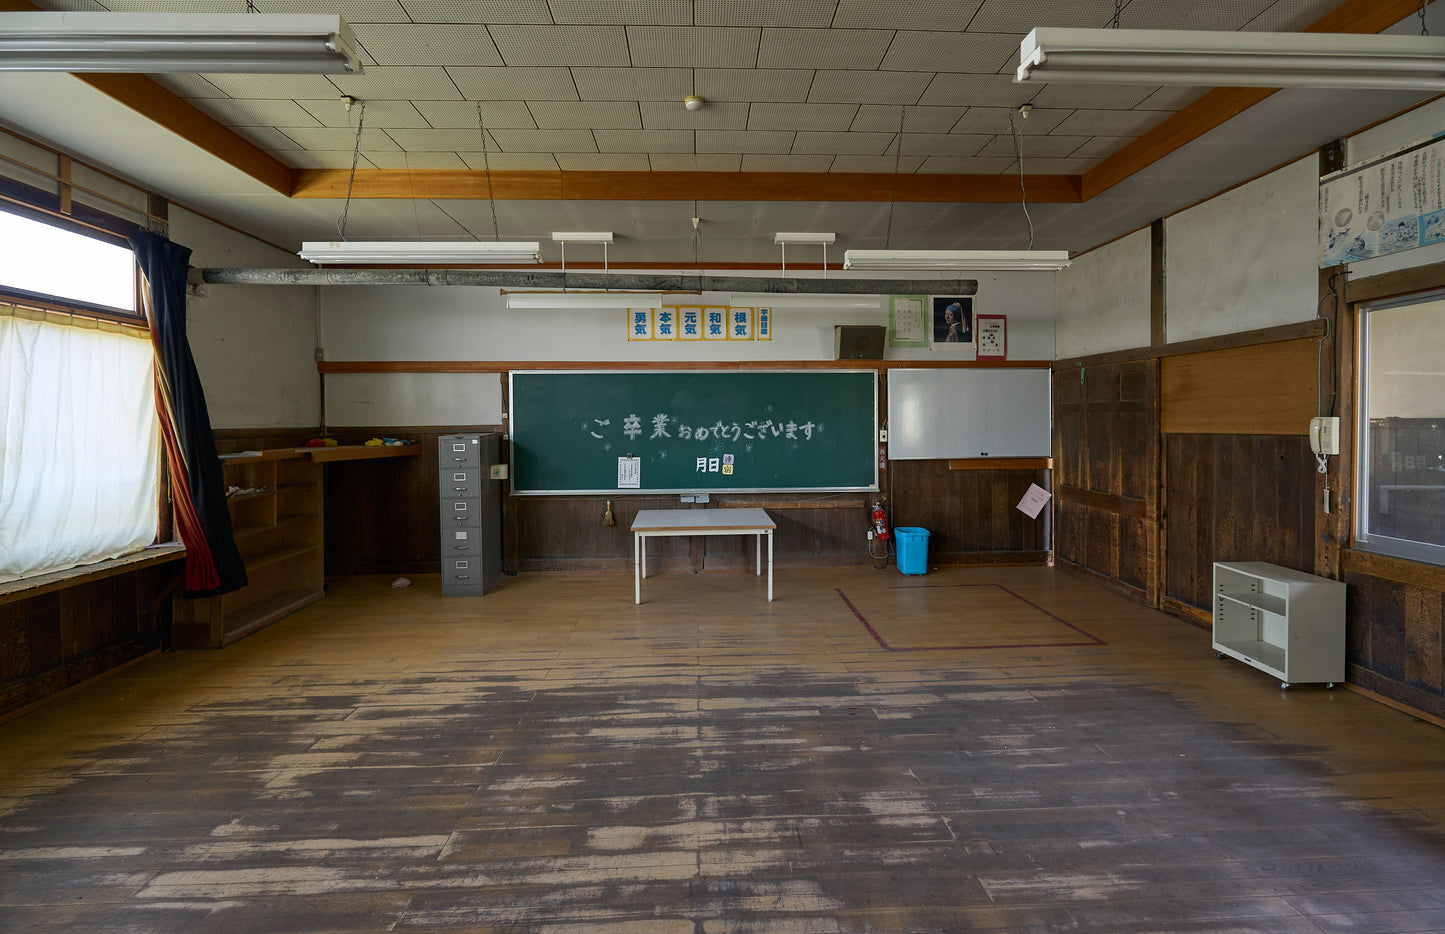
746 430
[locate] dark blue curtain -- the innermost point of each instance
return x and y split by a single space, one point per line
198 490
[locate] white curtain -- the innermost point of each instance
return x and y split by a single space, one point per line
78 442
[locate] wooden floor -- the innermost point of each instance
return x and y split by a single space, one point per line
1001 749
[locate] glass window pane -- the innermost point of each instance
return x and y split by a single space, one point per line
48 260
1402 502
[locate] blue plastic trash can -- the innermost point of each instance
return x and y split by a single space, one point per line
912 550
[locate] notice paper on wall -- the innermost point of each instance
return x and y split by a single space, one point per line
1033 502
629 473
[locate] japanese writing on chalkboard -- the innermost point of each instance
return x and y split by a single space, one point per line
662 425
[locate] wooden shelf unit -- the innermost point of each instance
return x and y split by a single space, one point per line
1284 622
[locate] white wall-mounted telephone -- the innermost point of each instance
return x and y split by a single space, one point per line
1325 435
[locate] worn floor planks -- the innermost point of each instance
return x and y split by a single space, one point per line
553 758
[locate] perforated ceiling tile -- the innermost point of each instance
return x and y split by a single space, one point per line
545 140
428 44
643 140
672 115
270 138
807 13
460 114
862 144
976 53
671 12
915 14
191 86
687 162
1171 98
353 11
562 45
1291 15
416 160
801 116
693 46
1223 15
745 141
321 139
459 140
1035 147
1095 96
1015 17
234 112
765 84
785 162
478 11
284 87
1110 122
633 84
400 84
603 162
591 115
869 87
1101 146
508 161
1070 166
953 165
514 84
995 120
884 118
942 144
823 48
977 91
380 114
906 164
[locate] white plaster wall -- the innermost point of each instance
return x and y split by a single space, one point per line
254 345
472 323
1102 298
1246 259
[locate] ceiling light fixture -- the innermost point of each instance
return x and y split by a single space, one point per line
823 239
1232 59
980 260
155 43
693 102
362 252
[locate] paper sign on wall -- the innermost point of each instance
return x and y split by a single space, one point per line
1034 500
629 473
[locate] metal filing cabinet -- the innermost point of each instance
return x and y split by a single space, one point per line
471 513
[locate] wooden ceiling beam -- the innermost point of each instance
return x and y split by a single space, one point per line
683 186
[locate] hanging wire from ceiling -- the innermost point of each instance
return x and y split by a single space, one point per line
893 198
355 158
487 167
1424 30
1017 133
1118 8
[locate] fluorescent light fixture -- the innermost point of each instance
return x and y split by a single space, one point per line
584 300
824 238
1232 59
153 43
807 300
583 236
362 252
979 260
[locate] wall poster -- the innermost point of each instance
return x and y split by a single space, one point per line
1385 206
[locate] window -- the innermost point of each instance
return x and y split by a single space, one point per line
1400 500
60 265
79 437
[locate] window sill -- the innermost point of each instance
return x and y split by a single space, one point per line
59 580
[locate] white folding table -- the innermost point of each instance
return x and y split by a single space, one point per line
653 522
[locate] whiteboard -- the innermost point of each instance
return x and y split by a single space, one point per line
970 412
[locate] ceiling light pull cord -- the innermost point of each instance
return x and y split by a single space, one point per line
1019 154
487 167
351 180
893 199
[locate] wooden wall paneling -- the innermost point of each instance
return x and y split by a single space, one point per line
1334 529
1259 389
1423 638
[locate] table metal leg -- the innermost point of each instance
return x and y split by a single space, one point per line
636 567
760 554
770 567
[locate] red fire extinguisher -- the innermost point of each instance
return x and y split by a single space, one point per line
880 521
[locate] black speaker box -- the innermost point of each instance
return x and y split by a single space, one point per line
858 341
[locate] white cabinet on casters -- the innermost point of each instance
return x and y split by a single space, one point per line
1287 623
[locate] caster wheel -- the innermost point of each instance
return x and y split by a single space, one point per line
1284 685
